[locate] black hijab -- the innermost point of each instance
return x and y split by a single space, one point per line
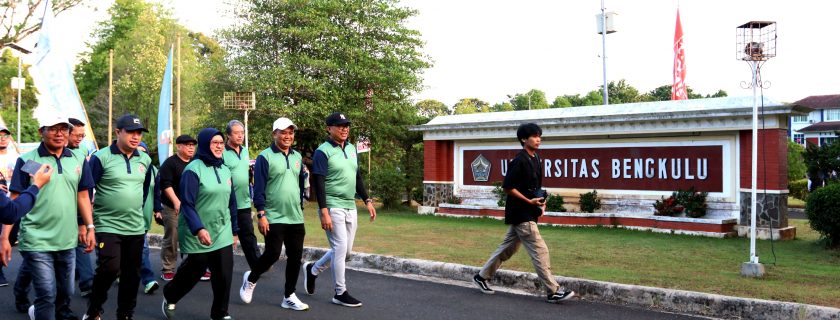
203 153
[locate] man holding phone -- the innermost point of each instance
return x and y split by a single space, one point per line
48 234
524 205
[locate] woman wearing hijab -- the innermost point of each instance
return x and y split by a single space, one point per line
206 226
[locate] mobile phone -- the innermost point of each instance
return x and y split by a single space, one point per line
31 167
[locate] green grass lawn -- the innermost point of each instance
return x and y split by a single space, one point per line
795 203
802 271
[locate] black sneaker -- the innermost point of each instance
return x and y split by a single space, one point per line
168 309
22 306
560 295
92 317
481 283
309 279
3 281
346 300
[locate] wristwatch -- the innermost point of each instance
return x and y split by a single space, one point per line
260 215
91 226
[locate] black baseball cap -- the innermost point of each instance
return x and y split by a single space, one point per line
130 122
337 118
184 139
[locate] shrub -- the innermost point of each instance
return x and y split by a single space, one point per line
417 195
499 192
667 207
799 189
555 204
796 163
694 202
453 199
589 202
823 215
388 184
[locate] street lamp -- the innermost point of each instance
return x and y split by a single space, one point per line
755 43
605 26
18 82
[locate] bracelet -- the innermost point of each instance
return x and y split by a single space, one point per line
90 227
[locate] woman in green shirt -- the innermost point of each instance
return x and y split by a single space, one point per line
206 226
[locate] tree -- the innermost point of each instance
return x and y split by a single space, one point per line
307 59
430 108
141 35
663 93
795 161
20 19
503 106
8 100
823 163
471 105
533 99
561 102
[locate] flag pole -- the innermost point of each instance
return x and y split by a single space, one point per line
110 92
178 89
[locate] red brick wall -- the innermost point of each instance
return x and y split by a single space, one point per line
772 152
438 160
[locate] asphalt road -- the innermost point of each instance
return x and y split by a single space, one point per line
384 297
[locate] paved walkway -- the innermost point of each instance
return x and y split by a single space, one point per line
384 297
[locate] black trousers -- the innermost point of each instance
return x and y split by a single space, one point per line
117 256
278 234
247 239
193 267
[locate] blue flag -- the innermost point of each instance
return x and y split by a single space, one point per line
164 129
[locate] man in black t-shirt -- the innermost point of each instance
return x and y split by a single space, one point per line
170 180
524 205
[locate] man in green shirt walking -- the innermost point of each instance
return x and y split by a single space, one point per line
337 182
119 172
278 180
48 234
238 161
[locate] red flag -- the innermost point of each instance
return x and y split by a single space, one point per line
678 91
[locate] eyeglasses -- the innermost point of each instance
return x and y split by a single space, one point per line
5 137
58 129
217 143
342 127
80 136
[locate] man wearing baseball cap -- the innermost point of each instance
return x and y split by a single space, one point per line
48 235
337 181
170 186
119 171
280 169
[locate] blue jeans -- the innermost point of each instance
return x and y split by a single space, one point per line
52 277
146 273
84 268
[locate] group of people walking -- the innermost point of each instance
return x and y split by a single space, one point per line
202 196
69 201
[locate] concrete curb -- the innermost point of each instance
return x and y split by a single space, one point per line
680 301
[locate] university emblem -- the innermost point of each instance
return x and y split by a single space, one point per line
480 168
142 168
78 169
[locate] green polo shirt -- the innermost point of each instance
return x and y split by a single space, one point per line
51 225
213 206
340 173
279 178
118 203
149 202
239 165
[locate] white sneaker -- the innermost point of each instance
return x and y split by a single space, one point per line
292 302
246 292
32 312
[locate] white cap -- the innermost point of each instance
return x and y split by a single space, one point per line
51 119
283 123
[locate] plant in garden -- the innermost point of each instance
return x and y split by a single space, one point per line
823 215
693 201
589 202
555 204
500 193
667 207
798 189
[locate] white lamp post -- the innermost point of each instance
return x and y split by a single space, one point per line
755 43
605 23
18 83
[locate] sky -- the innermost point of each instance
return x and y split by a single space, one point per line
490 49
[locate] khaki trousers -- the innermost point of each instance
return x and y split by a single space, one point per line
169 246
527 234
